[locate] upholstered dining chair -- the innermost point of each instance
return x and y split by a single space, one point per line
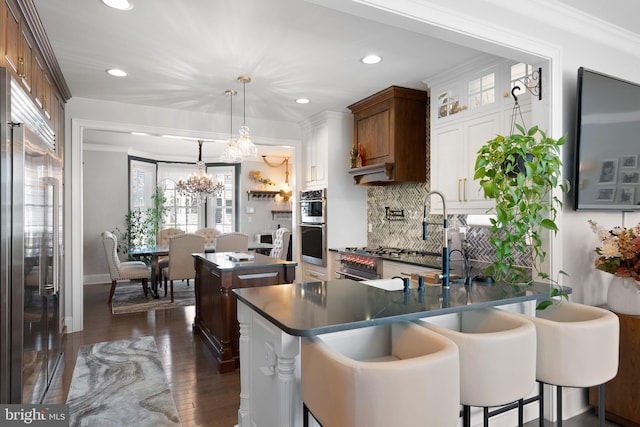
162 239
164 235
281 238
232 242
181 264
209 234
122 270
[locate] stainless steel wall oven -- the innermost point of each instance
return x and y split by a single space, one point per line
313 236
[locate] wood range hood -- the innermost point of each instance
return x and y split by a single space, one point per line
390 128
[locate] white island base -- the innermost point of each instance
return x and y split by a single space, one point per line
270 373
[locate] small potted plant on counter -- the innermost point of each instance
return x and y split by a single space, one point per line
520 172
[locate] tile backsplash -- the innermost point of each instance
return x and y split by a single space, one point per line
405 231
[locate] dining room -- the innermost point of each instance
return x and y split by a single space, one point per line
142 196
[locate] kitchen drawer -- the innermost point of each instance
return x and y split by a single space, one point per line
393 268
313 273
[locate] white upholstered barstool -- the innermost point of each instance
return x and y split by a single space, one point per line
396 374
497 359
577 347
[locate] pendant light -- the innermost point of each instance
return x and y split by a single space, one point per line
231 153
200 185
247 148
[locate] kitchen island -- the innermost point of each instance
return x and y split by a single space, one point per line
273 318
215 319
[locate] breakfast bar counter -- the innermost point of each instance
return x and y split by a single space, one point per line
312 308
273 318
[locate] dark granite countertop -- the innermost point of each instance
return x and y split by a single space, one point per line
222 262
312 308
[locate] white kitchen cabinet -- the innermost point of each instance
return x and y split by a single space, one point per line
473 105
453 154
326 142
314 145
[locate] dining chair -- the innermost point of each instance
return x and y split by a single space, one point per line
162 239
122 270
209 234
164 235
281 239
232 242
181 263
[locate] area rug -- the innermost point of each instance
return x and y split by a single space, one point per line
131 298
121 383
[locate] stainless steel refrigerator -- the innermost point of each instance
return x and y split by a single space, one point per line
31 248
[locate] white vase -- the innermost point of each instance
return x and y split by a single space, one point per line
623 296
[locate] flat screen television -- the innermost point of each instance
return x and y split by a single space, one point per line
607 161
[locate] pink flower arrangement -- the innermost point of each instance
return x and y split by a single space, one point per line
619 250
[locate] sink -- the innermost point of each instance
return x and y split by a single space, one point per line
385 284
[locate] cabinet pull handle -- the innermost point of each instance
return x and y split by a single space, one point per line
21 68
464 190
459 181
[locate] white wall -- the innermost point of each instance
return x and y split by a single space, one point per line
105 204
261 221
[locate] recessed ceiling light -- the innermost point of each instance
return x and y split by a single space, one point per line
302 101
139 133
371 59
118 4
116 72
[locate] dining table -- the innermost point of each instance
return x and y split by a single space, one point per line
154 252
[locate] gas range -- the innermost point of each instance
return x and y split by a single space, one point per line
365 263
359 264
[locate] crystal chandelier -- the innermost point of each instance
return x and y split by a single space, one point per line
231 153
245 145
200 185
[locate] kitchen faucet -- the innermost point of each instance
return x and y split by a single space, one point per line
467 275
445 241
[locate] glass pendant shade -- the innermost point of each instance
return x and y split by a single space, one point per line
231 153
245 145
247 148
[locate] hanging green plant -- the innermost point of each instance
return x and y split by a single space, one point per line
519 172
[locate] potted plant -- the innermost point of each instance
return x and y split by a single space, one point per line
519 172
142 225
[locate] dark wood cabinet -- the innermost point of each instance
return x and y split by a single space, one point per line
28 56
216 308
621 393
390 128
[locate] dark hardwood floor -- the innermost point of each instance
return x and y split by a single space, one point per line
203 397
